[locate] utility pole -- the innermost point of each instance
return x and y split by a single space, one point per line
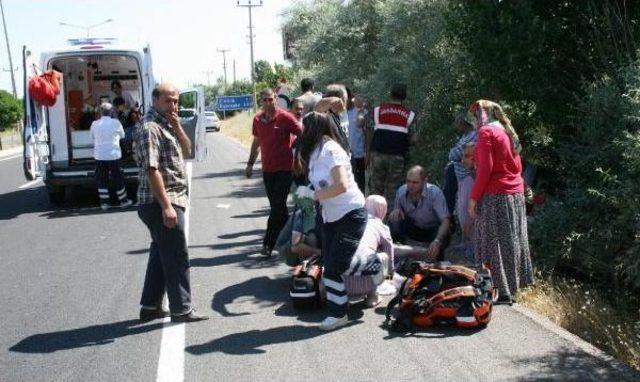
234 70
224 65
249 5
6 37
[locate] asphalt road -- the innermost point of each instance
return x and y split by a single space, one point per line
71 278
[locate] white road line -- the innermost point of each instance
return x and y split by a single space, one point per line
171 359
171 362
11 157
29 184
189 168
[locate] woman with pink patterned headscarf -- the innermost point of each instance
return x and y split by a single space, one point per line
497 200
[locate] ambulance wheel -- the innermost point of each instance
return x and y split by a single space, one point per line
56 195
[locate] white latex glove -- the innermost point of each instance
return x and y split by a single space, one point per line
305 192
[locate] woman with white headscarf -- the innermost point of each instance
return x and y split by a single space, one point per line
497 200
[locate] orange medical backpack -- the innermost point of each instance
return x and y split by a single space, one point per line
436 293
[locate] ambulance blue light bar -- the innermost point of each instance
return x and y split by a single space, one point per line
91 43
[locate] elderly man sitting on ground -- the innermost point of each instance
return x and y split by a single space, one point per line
420 214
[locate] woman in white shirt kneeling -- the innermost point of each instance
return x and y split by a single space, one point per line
344 217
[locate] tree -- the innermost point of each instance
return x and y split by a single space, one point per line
10 110
268 75
263 70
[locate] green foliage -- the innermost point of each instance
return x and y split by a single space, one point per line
10 110
267 75
371 44
593 229
566 73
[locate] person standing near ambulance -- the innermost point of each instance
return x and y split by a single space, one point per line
394 128
106 133
163 198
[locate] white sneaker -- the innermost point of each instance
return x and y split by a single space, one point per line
372 300
104 206
126 203
331 323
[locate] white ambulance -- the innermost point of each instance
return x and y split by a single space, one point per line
57 144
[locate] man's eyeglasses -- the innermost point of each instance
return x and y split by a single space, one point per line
268 99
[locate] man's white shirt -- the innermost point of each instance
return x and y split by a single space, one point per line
106 133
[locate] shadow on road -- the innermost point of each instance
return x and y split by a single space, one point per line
79 202
229 245
16 203
82 337
434 332
574 365
253 215
251 259
437 331
238 172
255 190
354 312
262 291
244 257
144 251
236 235
250 342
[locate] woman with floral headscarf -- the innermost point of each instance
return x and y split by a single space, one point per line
497 200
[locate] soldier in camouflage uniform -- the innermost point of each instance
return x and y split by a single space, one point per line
394 127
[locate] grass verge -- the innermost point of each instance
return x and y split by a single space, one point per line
239 127
588 314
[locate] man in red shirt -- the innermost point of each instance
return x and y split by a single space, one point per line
274 131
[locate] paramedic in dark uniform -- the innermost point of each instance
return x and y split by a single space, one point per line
106 134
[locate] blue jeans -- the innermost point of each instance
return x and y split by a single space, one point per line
168 266
340 239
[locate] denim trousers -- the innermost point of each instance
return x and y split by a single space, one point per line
168 266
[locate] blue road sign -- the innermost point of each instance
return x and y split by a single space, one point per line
227 103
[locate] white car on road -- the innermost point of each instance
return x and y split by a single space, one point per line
211 121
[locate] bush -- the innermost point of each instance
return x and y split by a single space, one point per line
10 110
592 230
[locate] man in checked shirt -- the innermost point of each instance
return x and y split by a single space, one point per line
161 144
